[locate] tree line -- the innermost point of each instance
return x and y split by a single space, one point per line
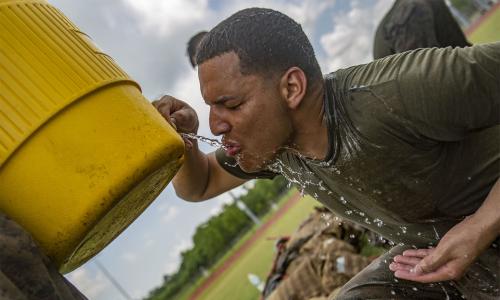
216 236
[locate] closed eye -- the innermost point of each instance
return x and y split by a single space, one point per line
232 104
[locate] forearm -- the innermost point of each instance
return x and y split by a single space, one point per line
488 214
191 180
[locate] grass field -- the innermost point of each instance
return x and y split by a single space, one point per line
488 31
234 284
186 293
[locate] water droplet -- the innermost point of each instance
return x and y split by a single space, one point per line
414 288
379 222
352 236
393 292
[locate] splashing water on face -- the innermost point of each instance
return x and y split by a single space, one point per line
299 178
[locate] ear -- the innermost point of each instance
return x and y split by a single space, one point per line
293 86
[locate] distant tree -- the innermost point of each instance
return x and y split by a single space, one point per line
466 7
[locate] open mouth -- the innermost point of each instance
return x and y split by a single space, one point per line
232 148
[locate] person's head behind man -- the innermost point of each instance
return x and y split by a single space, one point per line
248 63
192 46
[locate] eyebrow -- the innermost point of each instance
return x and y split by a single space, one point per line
221 99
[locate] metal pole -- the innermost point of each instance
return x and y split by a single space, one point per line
112 279
245 209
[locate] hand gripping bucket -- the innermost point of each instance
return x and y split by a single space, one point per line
82 152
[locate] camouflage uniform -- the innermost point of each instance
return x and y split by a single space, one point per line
25 273
320 257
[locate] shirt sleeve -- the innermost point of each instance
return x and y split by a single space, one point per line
449 92
231 166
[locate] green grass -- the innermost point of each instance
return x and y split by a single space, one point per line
488 31
234 284
186 292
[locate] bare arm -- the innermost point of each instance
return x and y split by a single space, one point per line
200 177
458 248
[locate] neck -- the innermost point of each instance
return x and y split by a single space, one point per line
310 129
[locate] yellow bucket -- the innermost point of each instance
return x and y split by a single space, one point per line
82 152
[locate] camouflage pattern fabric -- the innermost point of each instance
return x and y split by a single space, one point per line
319 257
25 273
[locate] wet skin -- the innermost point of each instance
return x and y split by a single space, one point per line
247 110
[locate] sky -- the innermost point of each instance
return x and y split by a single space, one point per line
148 39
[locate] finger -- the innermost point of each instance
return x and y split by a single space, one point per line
168 104
407 260
399 267
189 144
432 262
443 274
418 252
185 120
164 107
173 123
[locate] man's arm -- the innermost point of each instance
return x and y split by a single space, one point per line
200 177
452 93
458 248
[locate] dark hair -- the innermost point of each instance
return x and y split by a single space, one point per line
192 46
266 42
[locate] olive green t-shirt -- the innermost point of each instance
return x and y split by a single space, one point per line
414 142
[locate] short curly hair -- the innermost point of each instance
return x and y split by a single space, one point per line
266 42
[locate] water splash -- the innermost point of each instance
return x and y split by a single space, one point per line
211 142
445 292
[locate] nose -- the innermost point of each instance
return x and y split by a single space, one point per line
218 125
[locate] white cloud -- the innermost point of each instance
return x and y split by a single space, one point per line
165 17
129 257
170 214
350 43
181 246
92 285
149 243
215 210
171 266
175 255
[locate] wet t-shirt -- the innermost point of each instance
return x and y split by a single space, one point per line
414 142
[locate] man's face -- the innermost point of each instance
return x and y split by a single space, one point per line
248 110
